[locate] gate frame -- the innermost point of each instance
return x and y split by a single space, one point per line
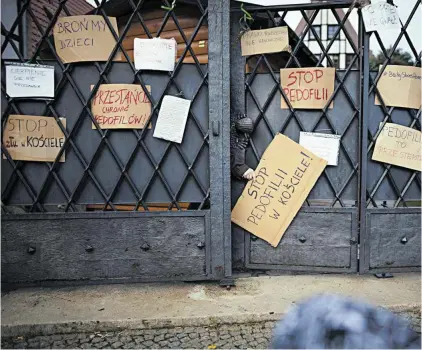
218 217
238 98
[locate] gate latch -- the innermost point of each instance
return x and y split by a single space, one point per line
216 127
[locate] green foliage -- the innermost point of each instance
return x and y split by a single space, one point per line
399 57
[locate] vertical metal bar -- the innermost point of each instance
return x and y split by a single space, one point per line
23 33
237 67
363 144
219 112
225 115
238 105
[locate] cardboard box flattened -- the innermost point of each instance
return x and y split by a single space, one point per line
284 177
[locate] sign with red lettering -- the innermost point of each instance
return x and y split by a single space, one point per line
85 38
399 145
33 138
307 88
121 106
283 180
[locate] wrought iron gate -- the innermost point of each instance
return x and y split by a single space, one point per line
347 199
123 206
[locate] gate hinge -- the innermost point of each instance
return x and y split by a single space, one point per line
358 251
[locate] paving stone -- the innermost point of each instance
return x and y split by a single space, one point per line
59 344
159 338
116 345
70 336
175 344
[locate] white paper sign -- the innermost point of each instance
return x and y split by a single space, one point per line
29 80
325 146
380 16
155 54
172 119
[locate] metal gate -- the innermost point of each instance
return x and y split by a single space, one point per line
127 207
124 206
358 216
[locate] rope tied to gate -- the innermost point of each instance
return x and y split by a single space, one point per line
243 21
173 5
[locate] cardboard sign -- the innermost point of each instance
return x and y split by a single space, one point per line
85 38
121 106
307 88
255 42
400 86
172 119
380 16
325 146
29 80
155 54
399 145
284 177
33 138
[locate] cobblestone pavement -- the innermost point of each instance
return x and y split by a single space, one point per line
222 337
236 336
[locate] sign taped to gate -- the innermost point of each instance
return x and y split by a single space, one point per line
284 177
85 38
307 88
155 54
399 145
400 86
380 16
326 146
29 80
172 118
121 106
254 42
33 138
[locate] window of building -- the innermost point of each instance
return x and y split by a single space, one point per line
349 58
336 60
331 31
317 29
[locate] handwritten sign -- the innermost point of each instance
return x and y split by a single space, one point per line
85 38
155 54
325 146
399 145
121 106
255 42
400 86
33 138
29 80
307 88
283 180
172 119
380 16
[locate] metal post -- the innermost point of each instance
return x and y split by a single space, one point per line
219 118
363 253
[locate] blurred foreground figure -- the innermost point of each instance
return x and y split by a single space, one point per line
335 322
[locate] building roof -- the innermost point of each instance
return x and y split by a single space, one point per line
347 25
41 10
